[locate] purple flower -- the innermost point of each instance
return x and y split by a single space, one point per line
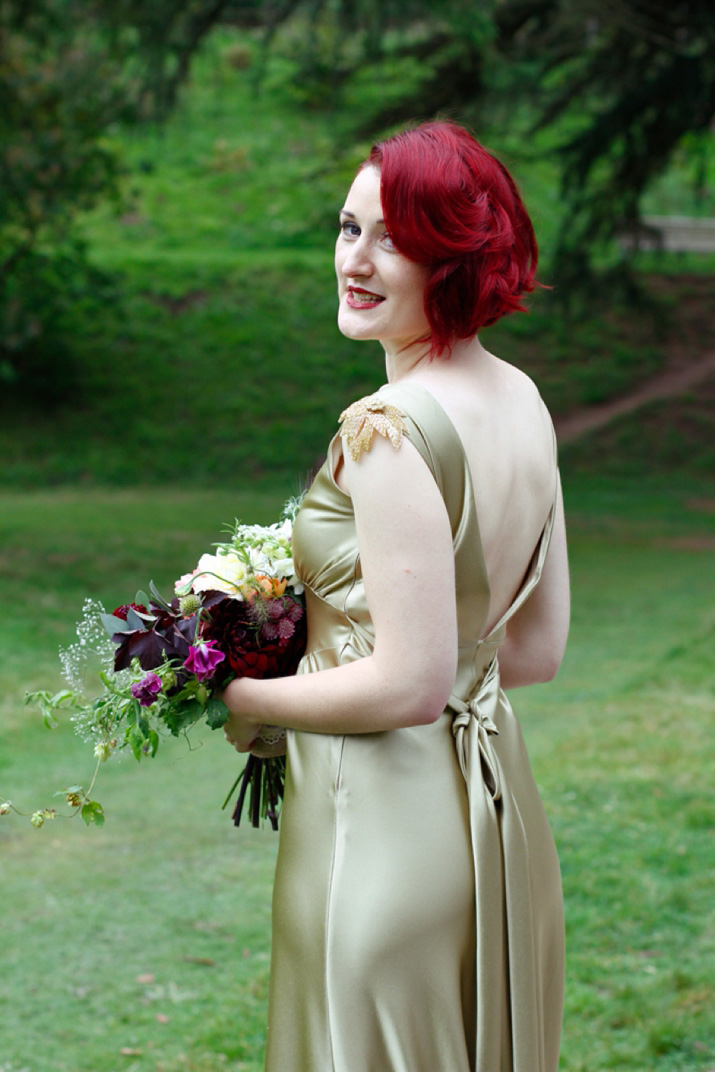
147 690
203 659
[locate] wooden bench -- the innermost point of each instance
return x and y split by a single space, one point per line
672 234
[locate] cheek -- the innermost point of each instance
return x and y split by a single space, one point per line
414 292
413 279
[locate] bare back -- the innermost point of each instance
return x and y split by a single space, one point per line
507 437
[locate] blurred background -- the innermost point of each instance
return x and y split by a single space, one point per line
170 178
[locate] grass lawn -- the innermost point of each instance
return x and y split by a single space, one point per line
144 945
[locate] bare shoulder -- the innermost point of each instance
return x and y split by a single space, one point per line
517 380
487 396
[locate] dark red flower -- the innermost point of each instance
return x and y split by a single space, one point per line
234 626
121 612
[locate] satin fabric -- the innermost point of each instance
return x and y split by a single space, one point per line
417 913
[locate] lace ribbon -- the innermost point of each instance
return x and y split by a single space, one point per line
270 742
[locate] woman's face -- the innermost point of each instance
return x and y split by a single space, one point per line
381 292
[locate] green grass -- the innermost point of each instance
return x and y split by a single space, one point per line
621 743
167 888
232 374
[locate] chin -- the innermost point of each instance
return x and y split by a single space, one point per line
352 328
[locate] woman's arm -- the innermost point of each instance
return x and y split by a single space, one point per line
407 564
536 635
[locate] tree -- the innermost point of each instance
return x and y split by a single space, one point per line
69 70
631 81
623 84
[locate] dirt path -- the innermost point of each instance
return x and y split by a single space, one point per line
674 380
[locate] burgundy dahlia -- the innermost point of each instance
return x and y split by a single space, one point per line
239 628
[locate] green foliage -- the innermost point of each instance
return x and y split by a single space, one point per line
642 88
617 91
70 71
92 813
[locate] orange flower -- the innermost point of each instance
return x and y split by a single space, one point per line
270 586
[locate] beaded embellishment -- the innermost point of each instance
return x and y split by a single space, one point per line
369 415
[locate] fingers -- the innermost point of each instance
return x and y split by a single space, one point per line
236 744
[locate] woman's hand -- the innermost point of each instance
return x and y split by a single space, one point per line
239 730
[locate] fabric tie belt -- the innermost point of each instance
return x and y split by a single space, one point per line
509 946
473 727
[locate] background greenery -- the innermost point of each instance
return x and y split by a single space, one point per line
187 371
214 268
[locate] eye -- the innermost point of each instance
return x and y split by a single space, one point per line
387 242
349 229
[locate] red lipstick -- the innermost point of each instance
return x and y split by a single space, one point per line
359 298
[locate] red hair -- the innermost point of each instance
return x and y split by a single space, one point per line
451 205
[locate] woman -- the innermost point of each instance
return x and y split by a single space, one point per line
417 909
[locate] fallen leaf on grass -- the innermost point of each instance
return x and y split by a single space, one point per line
145 978
201 960
127 1051
163 1018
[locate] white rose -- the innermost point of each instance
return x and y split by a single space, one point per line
223 572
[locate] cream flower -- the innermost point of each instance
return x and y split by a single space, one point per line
222 572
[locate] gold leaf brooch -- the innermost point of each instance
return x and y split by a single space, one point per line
367 416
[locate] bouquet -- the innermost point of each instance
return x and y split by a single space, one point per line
159 663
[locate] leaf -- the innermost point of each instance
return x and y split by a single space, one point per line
216 713
134 621
158 597
146 645
40 697
142 599
154 742
64 698
113 624
93 812
136 740
181 715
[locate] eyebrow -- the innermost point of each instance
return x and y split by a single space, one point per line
344 212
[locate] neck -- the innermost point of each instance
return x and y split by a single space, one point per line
402 359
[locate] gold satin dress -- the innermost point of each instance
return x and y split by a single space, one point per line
417 913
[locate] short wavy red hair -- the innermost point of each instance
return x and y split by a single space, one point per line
449 204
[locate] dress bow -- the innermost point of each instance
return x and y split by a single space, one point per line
472 724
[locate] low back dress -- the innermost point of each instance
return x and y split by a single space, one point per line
417 912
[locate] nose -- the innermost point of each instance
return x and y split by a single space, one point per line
355 260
